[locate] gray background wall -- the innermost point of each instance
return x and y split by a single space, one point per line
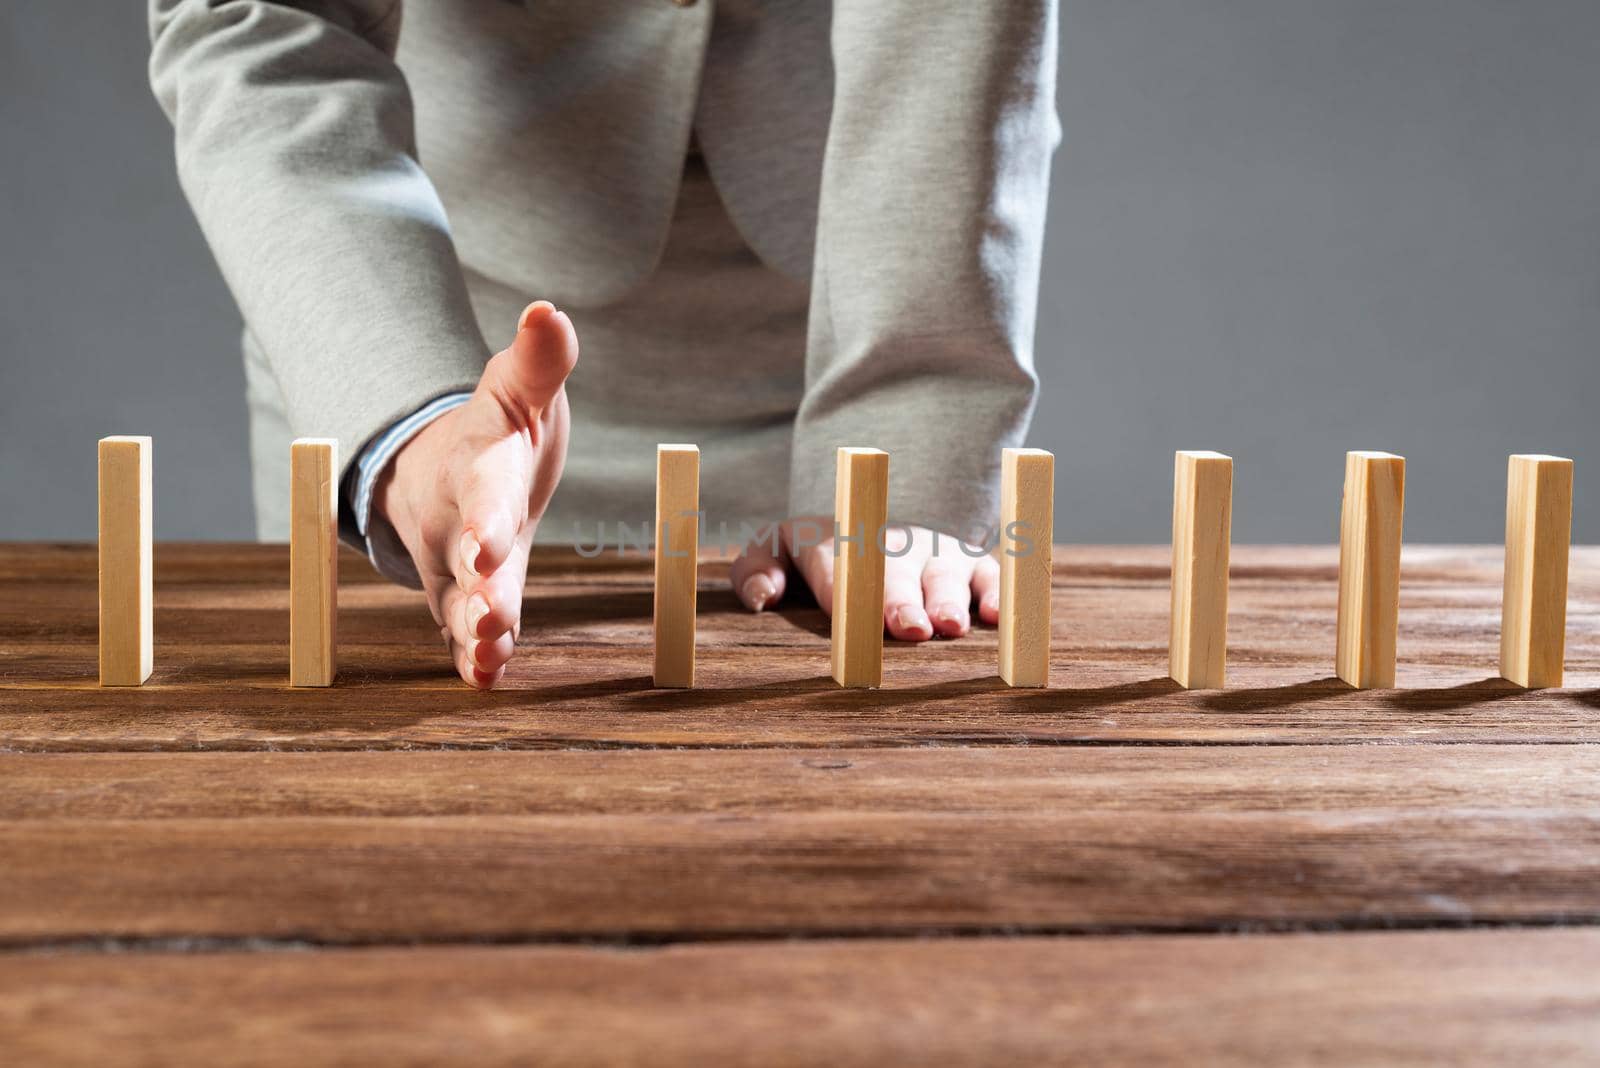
1279 228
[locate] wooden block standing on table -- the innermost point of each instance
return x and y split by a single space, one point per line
313 561
677 561
1533 622
1027 522
126 574
1369 567
860 511
1202 524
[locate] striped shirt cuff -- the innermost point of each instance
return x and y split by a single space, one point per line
383 546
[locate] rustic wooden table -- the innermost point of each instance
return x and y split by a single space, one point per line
579 868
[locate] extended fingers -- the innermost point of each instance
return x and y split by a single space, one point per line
453 612
494 606
481 620
986 588
479 661
492 654
470 672
492 495
525 377
758 576
811 549
947 591
519 397
903 610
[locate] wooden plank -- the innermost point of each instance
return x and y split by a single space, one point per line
313 561
861 510
1369 568
1102 780
677 556
1202 525
127 653
357 848
585 678
1027 518
1538 532
1460 998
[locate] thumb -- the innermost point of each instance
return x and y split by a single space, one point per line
526 376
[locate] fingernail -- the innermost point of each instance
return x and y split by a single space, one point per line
472 651
910 618
527 313
469 551
949 614
991 603
484 679
757 592
477 608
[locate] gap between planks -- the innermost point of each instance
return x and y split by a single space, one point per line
757 938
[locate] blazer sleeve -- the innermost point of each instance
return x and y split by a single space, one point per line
929 235
296 150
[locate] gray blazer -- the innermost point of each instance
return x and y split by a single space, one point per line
891 154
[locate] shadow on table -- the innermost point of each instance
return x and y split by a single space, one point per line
344 706
1416 699
1444 698
826 695
564 613
1274 698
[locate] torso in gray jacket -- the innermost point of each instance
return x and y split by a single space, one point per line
853 261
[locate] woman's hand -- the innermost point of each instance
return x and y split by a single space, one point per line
466 493
928 588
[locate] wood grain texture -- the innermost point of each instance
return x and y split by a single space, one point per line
218 868
1533 623
861 510
313 561
372 847
1202 532
677 557
1027 520
126 570
582 677
1369 568
1464 998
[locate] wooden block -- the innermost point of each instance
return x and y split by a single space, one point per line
1533 622
1369 567
1027 522
313 561
860 511
1202 522
677 560
126 595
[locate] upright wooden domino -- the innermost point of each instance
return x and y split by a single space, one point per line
1202 522
126 575
313 561
860 511
677 560
1533 622
1369 567
1027 521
